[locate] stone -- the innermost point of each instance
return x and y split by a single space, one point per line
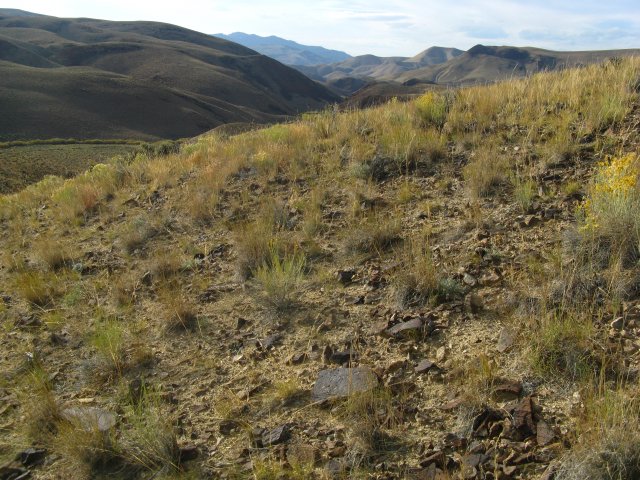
10 472
523 416
347 356
341 382
413 326
345 276
544 433
474 303
90 418
32 456
276 436
618 324
269 342
469 280
506 340
507 388
227 427
441 354
188 452
297 358
424 366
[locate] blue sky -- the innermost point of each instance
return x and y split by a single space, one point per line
385 27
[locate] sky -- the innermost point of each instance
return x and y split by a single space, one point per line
384 27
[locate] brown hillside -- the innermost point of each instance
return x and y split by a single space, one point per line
178 82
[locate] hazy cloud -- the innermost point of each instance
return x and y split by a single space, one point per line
385 27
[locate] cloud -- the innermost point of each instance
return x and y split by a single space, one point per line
485 32
386 27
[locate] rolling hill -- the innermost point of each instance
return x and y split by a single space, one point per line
87 78
372 67
286 51
482 64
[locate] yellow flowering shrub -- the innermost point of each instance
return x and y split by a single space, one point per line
612 206
432 109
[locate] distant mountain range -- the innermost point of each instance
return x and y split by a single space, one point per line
286 51
367 68
86 78
449 66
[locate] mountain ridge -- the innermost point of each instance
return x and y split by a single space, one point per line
286 51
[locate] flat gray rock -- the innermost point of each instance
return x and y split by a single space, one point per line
341 382
90 418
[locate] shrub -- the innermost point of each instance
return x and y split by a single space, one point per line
485 172
109 342
39 288
562 346
432 109
375 234
417 278
610 211
280 279
609 445
524 191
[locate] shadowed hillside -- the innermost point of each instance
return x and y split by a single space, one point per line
100 79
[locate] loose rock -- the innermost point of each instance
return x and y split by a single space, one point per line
341 382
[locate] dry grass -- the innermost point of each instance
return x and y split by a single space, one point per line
417 279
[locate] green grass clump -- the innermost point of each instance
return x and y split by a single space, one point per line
280 280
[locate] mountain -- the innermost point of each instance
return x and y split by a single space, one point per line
286 51
482 64
374 68
88 78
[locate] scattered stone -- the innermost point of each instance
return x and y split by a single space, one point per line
9 472
380 327
438 459
276 436
355 300
28 321
411 326
508 388
509 470
544 433
341 382
347 356
269 342
424 366
188 452
90 418
32 456
530 221
474 303
523 416
441 354
618 324
469 280
451 405
506 340
297 358
335 468
345 276
59 339
241 323
227 427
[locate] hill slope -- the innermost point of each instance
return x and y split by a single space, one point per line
443 288
372 67
101 79
482 64
286 51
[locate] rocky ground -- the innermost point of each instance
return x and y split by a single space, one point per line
342 384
